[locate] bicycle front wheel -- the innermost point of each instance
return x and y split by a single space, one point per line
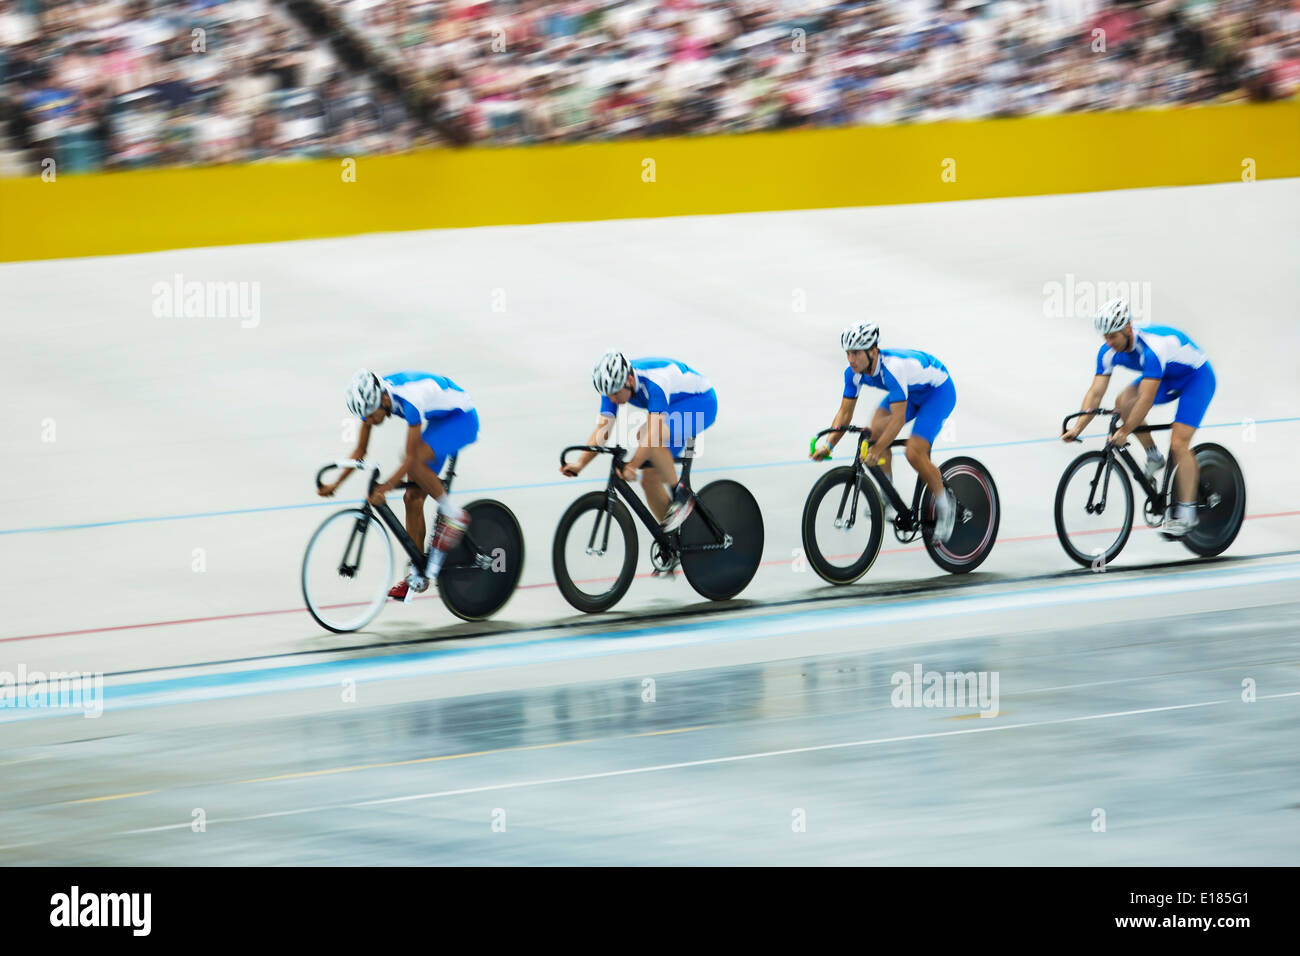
481 572
838 552
347 570
594 555
1094 538
721 574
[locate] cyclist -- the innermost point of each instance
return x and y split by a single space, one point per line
681 403
442 420
917 388
1172 367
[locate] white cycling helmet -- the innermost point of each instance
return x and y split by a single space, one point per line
860 336
1113 316
365 392
610 374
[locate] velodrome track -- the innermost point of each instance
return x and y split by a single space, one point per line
1119 691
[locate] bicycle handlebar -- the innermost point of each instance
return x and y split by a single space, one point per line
618 451
358 464
1114 414
858 429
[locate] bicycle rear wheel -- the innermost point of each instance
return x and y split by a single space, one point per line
722 574
1220 501
979 514
476 582
840 554
594 555
1094 539
347 570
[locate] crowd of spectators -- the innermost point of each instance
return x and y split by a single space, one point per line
119 80
120 84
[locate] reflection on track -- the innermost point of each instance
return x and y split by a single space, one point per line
1143 722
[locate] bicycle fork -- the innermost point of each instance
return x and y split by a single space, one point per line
607 513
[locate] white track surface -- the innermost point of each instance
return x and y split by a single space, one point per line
179 434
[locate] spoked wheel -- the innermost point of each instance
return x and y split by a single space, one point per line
594 555
720 575
481 572
347 570
839 553
978 516
1220 501
1097 537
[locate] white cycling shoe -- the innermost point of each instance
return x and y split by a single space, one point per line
1177 527
944 518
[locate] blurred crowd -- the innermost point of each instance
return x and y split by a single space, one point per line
119 83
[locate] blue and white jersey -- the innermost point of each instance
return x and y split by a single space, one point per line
421 396
906 374
659 383
1158 352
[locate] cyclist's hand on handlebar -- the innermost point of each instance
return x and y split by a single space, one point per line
570 471
1120 438
628 472
870 455
821 450
377 496
1071 434
327 491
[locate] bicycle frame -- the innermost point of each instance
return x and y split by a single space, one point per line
908 520
618 485
1157 498
398 529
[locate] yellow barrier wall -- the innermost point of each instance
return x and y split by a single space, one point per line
164 209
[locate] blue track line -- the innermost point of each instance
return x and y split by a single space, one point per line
569 483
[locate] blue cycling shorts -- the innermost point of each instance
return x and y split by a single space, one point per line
932 412
687 417
1193 395
447 434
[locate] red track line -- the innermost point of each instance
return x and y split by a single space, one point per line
524 587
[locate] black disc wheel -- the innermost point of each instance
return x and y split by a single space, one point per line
594 555
721 573
479 575
1220 501
979 513
843 526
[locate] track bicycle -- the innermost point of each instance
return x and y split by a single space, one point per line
345 593
1094 498
843 519
595 551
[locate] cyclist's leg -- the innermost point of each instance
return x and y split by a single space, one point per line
1194 399
685 420
1124 403
658 474
415 497
928 423
444 436
878 421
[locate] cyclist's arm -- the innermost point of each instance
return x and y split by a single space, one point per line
358 453
897 419
598 437
1091 399
843 417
